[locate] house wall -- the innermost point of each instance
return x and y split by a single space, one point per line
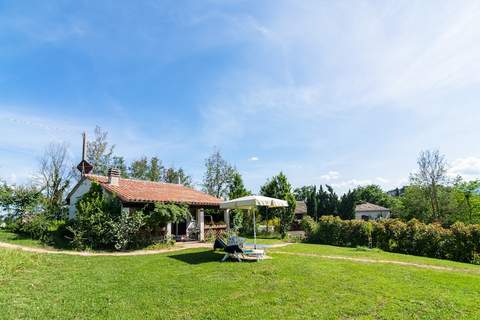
372 214
83 188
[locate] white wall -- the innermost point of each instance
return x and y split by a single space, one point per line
83 188
372 214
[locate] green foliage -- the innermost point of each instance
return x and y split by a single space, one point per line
125 229
173 175
467 197
36 226
327 201
99 152
101 223
155 170
279 187
119 163
346 205
460 242
168 212
302 193
247 221
20 204
96 212
309 226
139 169
218 175
236 190
55 173
373 194
431 174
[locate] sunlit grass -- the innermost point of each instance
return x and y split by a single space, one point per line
193 284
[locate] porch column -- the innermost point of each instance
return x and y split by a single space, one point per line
226 218
169 229
201 224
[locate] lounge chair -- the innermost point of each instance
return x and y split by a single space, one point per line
234 250
219 244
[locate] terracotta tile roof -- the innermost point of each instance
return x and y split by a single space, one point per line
301 207
130 190
364 207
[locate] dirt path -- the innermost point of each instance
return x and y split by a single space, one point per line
381 261
177 247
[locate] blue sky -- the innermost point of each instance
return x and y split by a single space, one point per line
338 92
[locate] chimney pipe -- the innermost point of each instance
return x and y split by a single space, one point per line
113 176
84 148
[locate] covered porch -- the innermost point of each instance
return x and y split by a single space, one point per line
201 226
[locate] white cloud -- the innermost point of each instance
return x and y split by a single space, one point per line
468 167
382 180
254 158
352 183
331 175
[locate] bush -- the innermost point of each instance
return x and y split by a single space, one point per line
460 242
36 226
126 228
309 226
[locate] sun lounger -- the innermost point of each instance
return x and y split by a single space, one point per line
234 250
219 244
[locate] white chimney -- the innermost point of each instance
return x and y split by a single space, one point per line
113 176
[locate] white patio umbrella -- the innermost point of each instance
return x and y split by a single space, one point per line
250 202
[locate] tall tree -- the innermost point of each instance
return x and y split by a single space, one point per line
99 153
308 194
6 193
237 190
415 204
469 197
145 169
119 163
431 174
279 187
139 169
327 201
55 172
20 201
155 169
373 194
346 206
172 175
218 175
302 193
312 203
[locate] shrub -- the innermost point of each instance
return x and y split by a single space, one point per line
35 226
309 226
125 229
95 215
459 242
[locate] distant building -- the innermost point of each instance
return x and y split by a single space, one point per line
300 213
300 210
370 211
398 192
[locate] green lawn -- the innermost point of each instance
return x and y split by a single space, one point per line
19 239
194 285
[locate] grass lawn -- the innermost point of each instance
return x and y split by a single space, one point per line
19 239
262 240
194 285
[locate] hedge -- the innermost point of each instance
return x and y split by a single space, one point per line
460 242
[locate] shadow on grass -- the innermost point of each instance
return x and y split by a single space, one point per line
198 257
